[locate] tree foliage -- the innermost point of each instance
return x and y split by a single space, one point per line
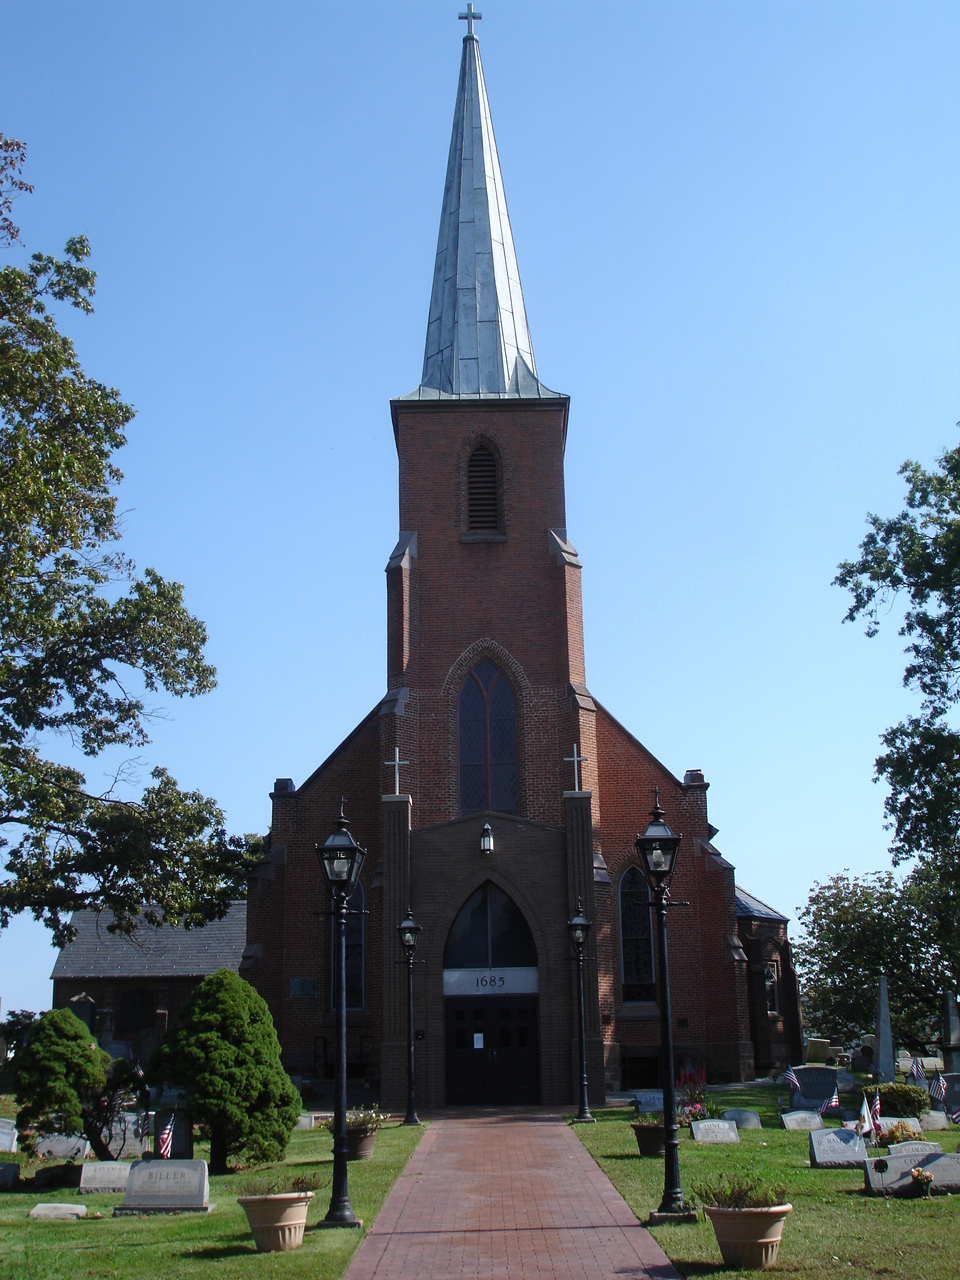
65 1083
224 1054
84 640
12 157
15 1028
855 929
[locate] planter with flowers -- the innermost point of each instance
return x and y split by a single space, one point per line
362 1125
747 1220
276 1209
649 1133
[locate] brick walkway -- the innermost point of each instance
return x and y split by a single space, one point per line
513 1195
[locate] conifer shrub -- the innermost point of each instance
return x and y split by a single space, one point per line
902 1100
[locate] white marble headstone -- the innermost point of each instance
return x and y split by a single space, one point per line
802 1120
104 1176
58 1211
836 1149
915 1149
934 1120
714 1131
167 1186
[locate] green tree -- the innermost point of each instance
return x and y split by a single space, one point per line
224 1054
856 928
916 556
15 1027
65 1083
83 639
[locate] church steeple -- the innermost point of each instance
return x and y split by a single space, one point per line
478 343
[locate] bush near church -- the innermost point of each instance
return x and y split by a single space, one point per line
65 1083
223 1053
902 1100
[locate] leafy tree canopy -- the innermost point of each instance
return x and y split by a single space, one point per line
83 639
224 1054
65 1083
855 929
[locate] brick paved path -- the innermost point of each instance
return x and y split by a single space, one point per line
505 1195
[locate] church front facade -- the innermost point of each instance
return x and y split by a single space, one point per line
488 721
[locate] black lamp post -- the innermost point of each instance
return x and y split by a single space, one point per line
341 859
579 928
409 932
657 850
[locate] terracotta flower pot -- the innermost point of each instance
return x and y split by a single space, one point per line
277 1221
749 1238
360 1143
649 1138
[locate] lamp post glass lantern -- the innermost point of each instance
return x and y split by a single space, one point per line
409 933
341 860
657 851
579 928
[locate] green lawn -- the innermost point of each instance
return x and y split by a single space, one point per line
834 1229
216 1245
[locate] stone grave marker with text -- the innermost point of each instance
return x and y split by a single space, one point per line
167 1186
836 1149
817 1050
104 1177
743 1119
934 1120
9 1175
915 1149
912 1123
714 1131
952 1099
8 1137
816 1085
58 1211
891 1175
62 1146
648 1100
806 1120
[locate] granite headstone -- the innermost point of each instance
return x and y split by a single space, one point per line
714 1131
9 1175
58 1211
816 1085
648 1100
934 1120
950 1032
806 1120
104 1177
836 1149
915 1149
817 1050
62 1146
911 1122
743 1119
167 1186
891 1175
952 1099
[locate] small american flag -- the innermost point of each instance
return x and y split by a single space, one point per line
955 1116
166 1137
938 1088
916 1071
790 1077
832 1103
875 1108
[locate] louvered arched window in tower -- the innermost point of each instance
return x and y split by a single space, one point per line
488 742
483 497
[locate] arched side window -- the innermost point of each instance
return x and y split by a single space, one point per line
490 932
636 938
488 742
483 497
354 954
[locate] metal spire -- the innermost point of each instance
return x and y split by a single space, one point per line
478 343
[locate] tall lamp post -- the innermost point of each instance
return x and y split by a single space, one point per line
657 850
579 928
341 859
409 932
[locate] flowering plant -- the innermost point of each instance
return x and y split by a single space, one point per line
922 1179
362 1120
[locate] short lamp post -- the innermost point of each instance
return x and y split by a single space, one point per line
657 850
579 928
341 860
409 933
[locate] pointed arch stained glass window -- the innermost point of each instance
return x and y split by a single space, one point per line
636 939
488 742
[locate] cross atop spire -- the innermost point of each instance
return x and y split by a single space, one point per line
470 18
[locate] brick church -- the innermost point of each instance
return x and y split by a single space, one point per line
488 719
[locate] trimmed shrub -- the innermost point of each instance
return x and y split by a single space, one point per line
901 1100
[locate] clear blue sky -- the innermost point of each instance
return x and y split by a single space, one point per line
737 233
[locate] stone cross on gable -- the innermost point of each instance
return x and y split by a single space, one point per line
395 764
576 760
470 18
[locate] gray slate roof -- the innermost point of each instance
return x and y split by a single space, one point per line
748 905
478 342
167 952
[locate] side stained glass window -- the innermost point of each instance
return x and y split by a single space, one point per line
636 939
488 742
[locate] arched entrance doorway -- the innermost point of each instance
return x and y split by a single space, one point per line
490 985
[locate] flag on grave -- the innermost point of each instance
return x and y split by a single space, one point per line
875 1108
832 1103
790 1077
865 1123
166 1137
916 1072
938 1088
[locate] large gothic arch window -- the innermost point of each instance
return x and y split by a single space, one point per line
636 939
490 932
488 742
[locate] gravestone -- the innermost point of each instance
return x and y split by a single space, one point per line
916 1149
934 1120
124 1140
891 1176
883 1036
58 1211
816 1085
817 1050
743 1119
63 1146
836 1149
950 1032
9 1175
8 1137
648 1100
807 1120
53 1177
182 1148
167 1186
951 1100
912 1123
714 1131
306 1121
104 1177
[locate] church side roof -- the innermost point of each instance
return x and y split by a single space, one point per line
748 905
165 952
478 341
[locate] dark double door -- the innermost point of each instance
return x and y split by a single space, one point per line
492 1050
